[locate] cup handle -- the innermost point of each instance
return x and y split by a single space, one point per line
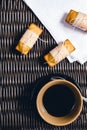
84 99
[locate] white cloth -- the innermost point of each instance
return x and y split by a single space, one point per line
52 14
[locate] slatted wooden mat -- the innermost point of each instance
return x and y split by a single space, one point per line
19 73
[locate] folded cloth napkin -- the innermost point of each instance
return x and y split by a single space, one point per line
52 14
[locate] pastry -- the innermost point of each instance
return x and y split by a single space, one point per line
60 52
29 38
77 19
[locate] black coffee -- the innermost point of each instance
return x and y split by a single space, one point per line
59 100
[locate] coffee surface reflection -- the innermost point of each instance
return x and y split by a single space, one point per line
59 100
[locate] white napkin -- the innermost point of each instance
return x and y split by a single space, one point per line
52 14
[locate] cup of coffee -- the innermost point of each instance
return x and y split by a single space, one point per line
59 102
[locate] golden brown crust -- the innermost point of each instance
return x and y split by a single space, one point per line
69 46
50 60
34 28
71 16
21 47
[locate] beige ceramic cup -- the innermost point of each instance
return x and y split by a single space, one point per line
67 119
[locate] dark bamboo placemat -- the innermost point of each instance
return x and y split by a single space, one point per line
18 73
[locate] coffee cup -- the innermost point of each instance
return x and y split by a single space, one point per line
59 102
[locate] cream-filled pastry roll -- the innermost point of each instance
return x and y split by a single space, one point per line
77 19
59 53
28 39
